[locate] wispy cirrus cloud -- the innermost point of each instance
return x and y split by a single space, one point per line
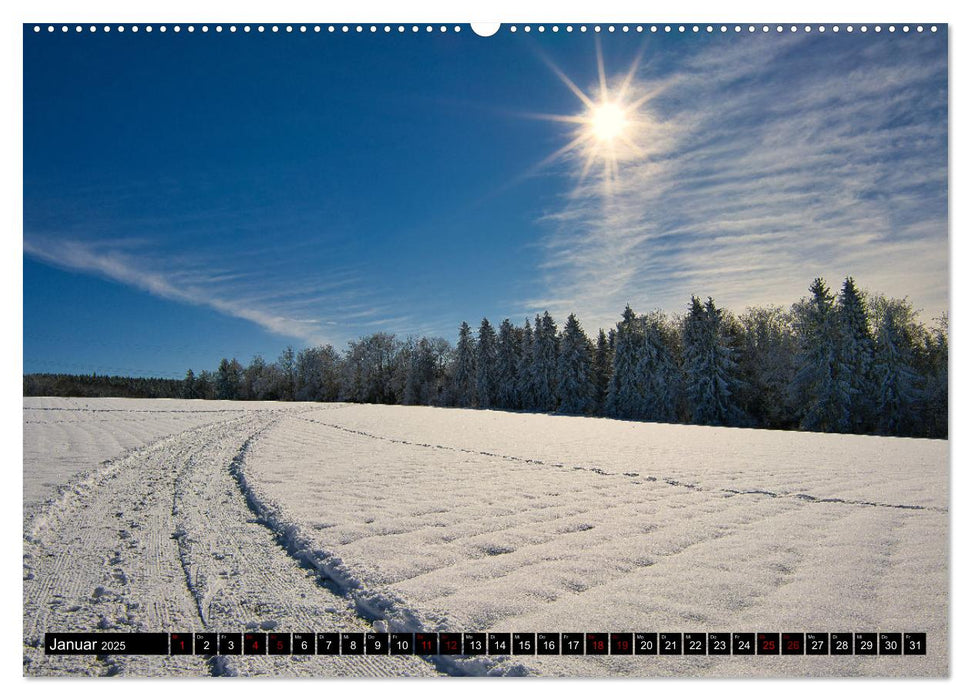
767 163
282 306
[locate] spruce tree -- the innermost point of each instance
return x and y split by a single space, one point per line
188 385
544 363
856 357
821 383
896 389
463 376
709 367
624 393
524 371
507 366
658 372
206 385
933 371
602 361
486 366
574 385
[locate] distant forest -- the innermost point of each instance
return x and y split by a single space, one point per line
99 386
850 362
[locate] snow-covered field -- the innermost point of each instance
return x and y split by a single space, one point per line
217 516
62 438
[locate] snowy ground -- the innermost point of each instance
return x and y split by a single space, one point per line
65 437
211 516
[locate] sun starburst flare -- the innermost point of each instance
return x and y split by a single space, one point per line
609 128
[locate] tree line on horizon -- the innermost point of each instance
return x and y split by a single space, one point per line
93 386
845 363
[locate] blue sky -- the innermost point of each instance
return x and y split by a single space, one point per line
192 196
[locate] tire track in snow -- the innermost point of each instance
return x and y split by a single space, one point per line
140 545
101 557
241 578
369 606
59 460
805 497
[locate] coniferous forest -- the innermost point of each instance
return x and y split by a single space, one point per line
843 361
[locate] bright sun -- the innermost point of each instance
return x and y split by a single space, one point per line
607 121
612 126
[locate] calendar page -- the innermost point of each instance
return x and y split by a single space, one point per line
583 350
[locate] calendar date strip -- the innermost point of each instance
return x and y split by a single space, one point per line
490 643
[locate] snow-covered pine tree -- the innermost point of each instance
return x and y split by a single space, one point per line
426 368
544 363
767 365
574 384
693 340
933 372
463 373
624 391
486 365
709 367
856 355
820 384
206 385
507 366
658 372
602 361
895 378
524 371
189 385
